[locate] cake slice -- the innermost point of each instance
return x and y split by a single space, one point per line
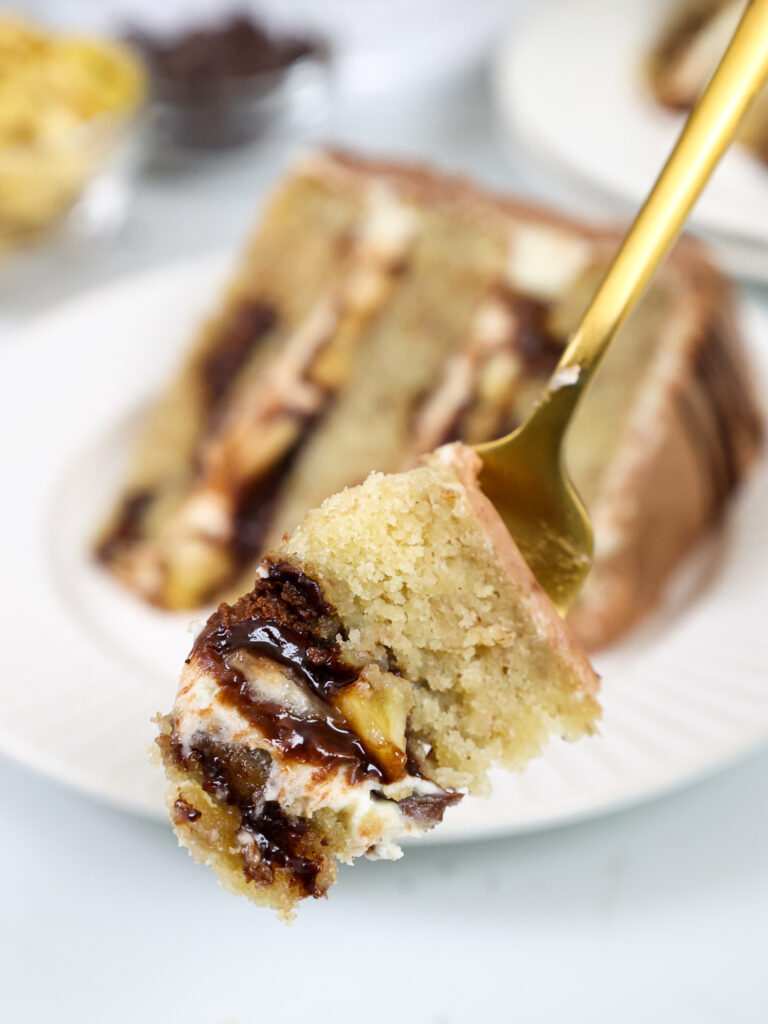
687 52
381 311
392 650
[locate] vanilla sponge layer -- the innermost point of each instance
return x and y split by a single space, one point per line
423 574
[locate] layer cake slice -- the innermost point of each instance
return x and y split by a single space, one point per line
392 649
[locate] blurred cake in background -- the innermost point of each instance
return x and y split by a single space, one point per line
67 104
687 52
380 311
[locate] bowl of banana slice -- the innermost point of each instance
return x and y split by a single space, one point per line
71 111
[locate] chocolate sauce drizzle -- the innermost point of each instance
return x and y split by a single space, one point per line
319 666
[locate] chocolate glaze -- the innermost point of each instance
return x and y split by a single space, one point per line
301 592
325 741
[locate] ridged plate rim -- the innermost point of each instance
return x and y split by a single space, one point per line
87 665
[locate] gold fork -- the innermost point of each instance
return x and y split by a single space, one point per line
524 473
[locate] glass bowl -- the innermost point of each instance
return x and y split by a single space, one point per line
80 178
70 110
242 110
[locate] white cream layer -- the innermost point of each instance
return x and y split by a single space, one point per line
375 825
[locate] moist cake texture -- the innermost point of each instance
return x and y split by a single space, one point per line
380 311
392 650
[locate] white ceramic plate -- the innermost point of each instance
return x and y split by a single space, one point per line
86 666
569 86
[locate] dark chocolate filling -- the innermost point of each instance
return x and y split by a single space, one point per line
247 325
286 618
278 839
237 776
428 808
258 500
534 342
184 813
291 607
320 667
256 508
536 346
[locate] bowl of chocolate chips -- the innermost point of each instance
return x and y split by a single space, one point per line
223 85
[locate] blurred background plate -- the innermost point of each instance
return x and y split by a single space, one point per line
578 101
86 666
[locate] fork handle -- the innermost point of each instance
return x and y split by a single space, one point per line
705 137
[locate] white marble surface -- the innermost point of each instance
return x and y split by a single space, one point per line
658 914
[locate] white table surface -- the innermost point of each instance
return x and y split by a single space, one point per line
656 914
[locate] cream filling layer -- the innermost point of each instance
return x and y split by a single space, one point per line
375 823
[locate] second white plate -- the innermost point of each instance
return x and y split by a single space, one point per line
86 666
570 86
